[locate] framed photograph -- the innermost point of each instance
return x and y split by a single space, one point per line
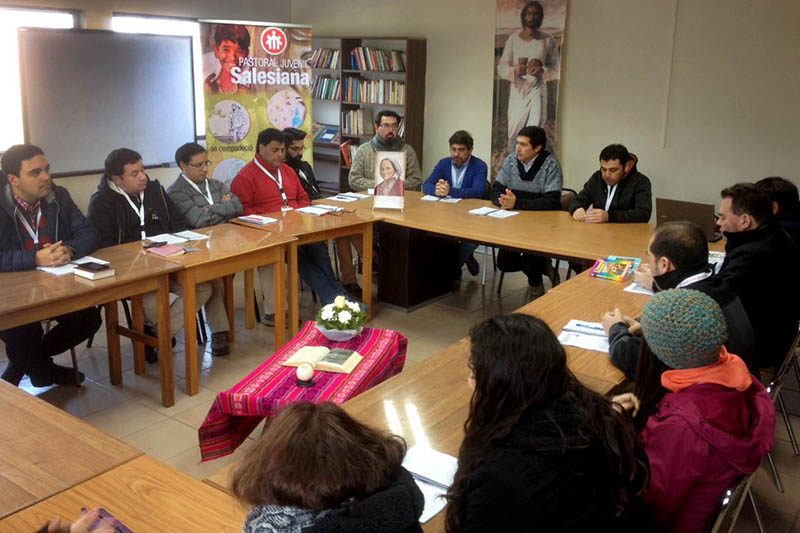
390 179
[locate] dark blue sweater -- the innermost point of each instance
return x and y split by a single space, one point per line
472 186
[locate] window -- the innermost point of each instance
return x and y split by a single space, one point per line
171 26
11 131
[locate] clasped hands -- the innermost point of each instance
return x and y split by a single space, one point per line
442 188
592 216
53 255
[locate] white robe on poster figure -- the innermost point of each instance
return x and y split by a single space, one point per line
528 95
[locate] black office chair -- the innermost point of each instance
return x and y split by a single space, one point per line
731 505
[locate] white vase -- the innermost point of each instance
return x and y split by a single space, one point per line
338 335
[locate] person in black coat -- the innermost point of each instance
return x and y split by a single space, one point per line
785 204
617 192
315 468
761 262
128 206
541 452
295 146
40 226
677 257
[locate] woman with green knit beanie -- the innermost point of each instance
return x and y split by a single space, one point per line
704 420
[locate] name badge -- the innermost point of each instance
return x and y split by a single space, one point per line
286 208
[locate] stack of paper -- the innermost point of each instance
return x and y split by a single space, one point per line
168 238
586 335
191 235
444 199
258 219
433 472
319 209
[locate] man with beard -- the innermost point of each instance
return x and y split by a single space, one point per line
295 146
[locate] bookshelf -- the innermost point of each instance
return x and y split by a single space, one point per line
350 94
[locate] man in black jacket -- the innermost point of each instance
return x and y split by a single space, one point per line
677 258
617 192
40 226
295 146
129 206
785 204
761 262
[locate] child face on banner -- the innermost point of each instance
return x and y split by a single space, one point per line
229 53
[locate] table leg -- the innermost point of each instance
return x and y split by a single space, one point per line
367 269
138 325
280 302
187 282
249 301
294 289
112 339
229 309
165 343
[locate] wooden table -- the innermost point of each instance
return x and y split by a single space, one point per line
552 233
229 249
429 402
310 229
143 494
31 296
44 450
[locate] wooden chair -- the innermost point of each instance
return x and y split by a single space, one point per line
774 389
731 505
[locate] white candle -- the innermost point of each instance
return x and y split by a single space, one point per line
305 372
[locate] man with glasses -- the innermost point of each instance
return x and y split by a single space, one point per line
387 139
205 202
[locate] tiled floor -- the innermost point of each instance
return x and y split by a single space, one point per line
133 411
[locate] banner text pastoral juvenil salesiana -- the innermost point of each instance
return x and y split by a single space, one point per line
248 73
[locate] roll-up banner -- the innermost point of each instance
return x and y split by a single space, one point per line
256 76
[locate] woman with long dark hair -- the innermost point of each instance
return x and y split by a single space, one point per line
540 450
704 420
315 468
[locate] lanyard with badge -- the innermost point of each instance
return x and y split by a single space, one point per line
278 182
138 210
34 234
207 196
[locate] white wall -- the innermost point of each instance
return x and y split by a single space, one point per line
97 15
728 112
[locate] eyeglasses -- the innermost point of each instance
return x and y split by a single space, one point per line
199 166
388 126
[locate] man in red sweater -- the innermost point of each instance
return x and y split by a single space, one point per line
266 185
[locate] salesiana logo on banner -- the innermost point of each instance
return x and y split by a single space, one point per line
255 77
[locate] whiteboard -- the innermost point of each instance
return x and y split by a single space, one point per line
87 92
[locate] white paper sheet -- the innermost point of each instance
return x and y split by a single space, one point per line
343 198
482 211
433 473
429 198
587 335
638 289
167 238
258 219
450 200
191 235
501 213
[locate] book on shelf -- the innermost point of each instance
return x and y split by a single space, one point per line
367 58
338 360
348 149
357 122
615 268
391 92
324 58
93 271
325 88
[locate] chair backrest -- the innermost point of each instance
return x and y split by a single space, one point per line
566 198
730 505
775 385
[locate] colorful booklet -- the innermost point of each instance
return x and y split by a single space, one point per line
615 268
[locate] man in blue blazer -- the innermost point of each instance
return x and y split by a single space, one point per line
461 175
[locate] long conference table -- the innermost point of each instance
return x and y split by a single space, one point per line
428 403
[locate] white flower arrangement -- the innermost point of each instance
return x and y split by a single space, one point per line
342 315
